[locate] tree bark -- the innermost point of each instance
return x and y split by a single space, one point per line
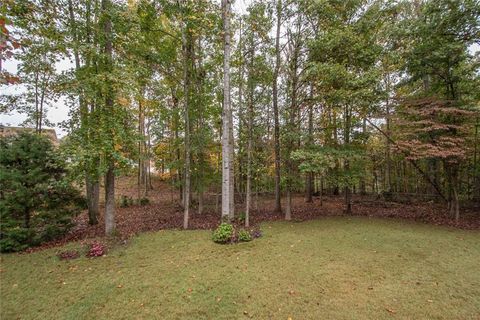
292 127
142 166
251 87
227 123
110 200
348 193
363 186
278 205
388 142
476 169
110 176
93 200
187 48
288 208
92 185
309 178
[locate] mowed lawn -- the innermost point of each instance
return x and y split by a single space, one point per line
332 268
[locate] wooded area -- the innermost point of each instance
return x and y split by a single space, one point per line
248 159
291 97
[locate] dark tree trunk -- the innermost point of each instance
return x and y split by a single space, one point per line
93 197
110 200
278 205
110 176
348 193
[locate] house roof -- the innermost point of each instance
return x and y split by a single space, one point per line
9 131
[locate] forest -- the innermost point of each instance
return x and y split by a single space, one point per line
228 115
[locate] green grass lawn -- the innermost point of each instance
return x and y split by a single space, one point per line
335 268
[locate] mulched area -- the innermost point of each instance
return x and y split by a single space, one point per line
164 212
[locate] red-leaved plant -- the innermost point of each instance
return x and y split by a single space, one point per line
96 249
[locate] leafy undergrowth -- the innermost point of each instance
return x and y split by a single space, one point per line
163 212
331 268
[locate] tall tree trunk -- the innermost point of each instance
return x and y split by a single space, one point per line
388 147
321 191
278 205
251 89
309 178
148 157
292 127
110 176
176 121
142 166
288 206
336 189
241 112
92 185
42 101
454 205
348 192
187 48
37 111
227 123
110 200
476 169
363 187
93 199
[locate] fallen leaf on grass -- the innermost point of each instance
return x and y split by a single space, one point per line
391 310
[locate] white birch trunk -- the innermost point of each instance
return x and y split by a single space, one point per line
227 123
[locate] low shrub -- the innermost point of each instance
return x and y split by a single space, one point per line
224 233
144 201
96 249
244 236
126 202
16 238
241 217
257 233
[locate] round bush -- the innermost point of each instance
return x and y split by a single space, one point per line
223 233
244 236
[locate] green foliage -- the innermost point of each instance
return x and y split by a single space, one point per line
328 162
126 201
37 201
144 201
241 216
224 233
244 236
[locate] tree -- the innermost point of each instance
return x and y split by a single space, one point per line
343 59
438 62
37 201
227 120
37 30
108 109
278 204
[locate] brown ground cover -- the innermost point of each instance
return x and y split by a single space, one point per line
165 212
